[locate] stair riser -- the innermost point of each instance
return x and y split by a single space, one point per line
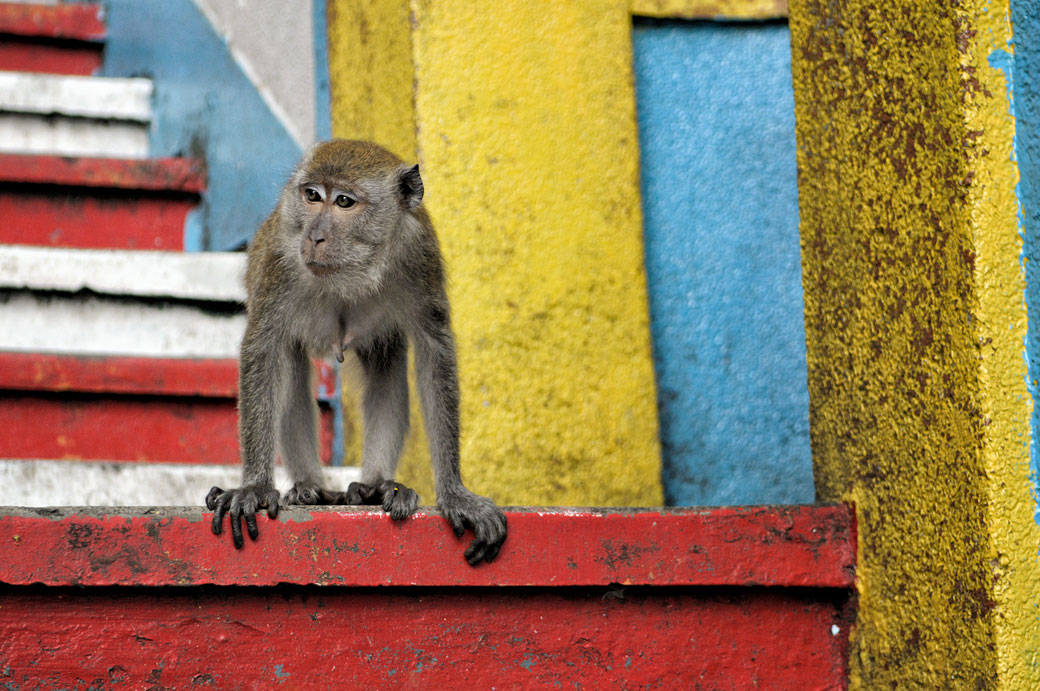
126 428
56 217
26 55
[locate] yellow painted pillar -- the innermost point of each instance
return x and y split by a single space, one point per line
915 326
522 116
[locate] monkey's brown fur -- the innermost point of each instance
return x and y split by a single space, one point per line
349 259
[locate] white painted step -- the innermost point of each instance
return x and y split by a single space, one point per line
208 276
108 325
88 483
121 302
68 115
103 98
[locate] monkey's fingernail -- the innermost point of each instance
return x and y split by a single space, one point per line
339 357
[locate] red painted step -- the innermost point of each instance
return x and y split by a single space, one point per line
57 39
128 409
97 202
727 598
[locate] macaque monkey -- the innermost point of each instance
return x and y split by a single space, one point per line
349 260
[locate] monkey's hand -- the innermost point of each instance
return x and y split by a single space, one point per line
467 511
311 494
396 499
241 503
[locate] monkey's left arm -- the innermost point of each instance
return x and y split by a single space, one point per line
439 393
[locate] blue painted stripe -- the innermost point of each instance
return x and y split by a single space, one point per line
1024 77
720 194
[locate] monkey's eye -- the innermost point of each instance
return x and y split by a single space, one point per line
311 194
344 201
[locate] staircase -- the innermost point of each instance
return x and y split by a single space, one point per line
118 371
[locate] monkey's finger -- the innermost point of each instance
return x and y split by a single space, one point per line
251 525
339 357
236 527
475 554
221 508
271 501
492 551
458 526
211 498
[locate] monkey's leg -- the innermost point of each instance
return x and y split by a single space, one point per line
385 366
299 434
263 373
439 394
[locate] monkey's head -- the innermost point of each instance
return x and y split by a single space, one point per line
347 200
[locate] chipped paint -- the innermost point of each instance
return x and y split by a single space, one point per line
362 546
915 322
415 639
594 634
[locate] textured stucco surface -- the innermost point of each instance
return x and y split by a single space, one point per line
720 197
524 125
915 323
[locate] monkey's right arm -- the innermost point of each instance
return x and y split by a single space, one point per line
262 380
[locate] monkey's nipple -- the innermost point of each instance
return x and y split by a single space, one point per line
343 344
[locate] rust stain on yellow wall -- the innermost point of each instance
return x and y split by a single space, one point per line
524 117
915 326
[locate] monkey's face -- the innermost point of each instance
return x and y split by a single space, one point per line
346 202
333 221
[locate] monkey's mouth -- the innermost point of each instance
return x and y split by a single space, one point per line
320 269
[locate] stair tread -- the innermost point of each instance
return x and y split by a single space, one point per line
164 174
111 98
79 22
205 276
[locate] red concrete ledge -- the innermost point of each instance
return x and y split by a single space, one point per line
183 175
203 377
804 546
79 22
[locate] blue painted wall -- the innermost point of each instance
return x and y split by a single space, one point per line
1025 22
720 194
204 106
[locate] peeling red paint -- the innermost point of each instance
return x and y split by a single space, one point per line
414 638
791 546
703 624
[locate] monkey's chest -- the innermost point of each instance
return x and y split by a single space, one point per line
337 328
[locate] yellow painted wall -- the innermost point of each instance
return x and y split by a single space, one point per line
915 322
524 127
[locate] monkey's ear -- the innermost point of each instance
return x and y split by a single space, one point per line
410 185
